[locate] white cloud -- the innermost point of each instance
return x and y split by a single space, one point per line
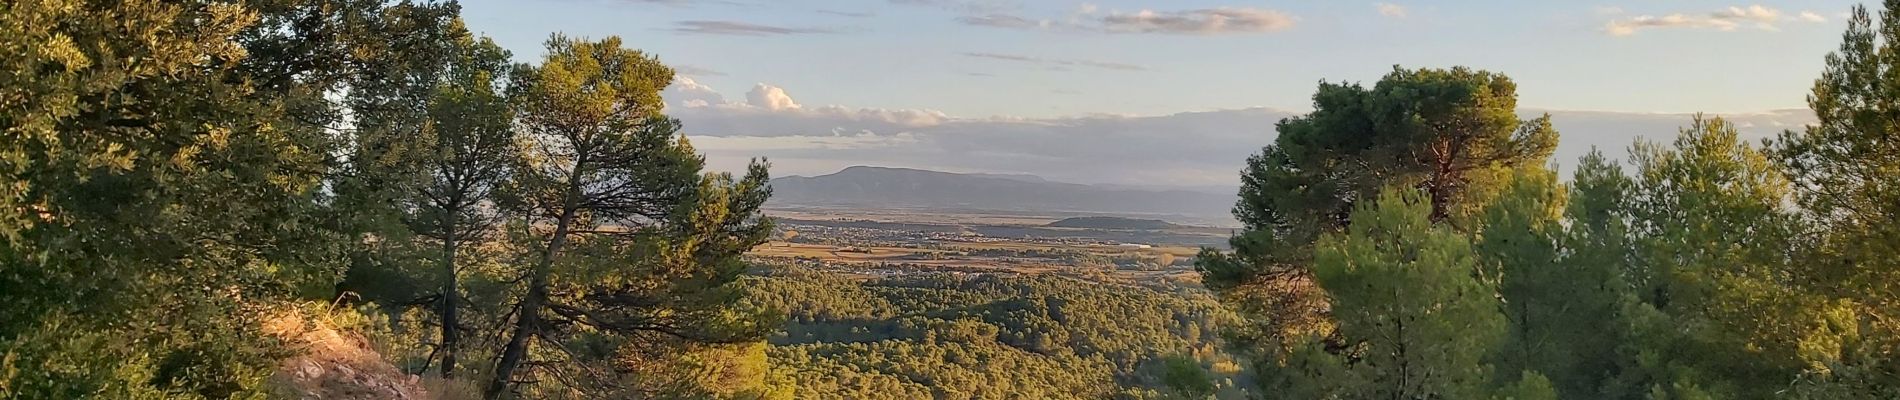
741 29
687 92
1757 13
1058 62
1626 27
1199 22
860 140
1728 19
771 98
1003 21
769 105
904 117
1390 10
1089 18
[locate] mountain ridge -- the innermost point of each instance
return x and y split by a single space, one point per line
909 187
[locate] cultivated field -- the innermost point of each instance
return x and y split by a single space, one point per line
870 243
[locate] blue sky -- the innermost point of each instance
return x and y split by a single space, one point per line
888 71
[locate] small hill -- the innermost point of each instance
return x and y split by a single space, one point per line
1112 223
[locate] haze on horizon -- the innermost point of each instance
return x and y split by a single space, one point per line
1175 93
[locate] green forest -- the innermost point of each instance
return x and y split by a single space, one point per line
1410 240
180 177
991 336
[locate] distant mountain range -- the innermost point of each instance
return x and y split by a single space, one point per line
916 188
1098 222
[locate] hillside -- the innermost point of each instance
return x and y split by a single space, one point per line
915 188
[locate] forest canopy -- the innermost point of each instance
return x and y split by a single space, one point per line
1411 240
178 174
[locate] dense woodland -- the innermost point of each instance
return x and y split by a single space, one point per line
958 336
1409 240
178 174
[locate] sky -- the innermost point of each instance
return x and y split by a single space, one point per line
1166 93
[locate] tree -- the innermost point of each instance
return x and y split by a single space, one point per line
1559 294
1713 237
471 123
384 148
1417 320
607 176
429 137
1185 379
1452 133
1599 261
163 194
1459 129
1518 248
1845 173
1530 386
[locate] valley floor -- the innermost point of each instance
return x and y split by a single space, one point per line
931 307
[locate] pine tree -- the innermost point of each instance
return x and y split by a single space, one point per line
1452 133
1561 301
472 127
1417 320
636 242
1713 273
1845 172
430 136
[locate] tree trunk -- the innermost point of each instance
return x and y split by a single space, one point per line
1446 177
1440 197
528 319
450 336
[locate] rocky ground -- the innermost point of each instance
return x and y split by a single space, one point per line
337 365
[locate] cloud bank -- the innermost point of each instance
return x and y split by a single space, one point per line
1730 19
1089 18
1209 21
1057 62
1197 149
740 29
